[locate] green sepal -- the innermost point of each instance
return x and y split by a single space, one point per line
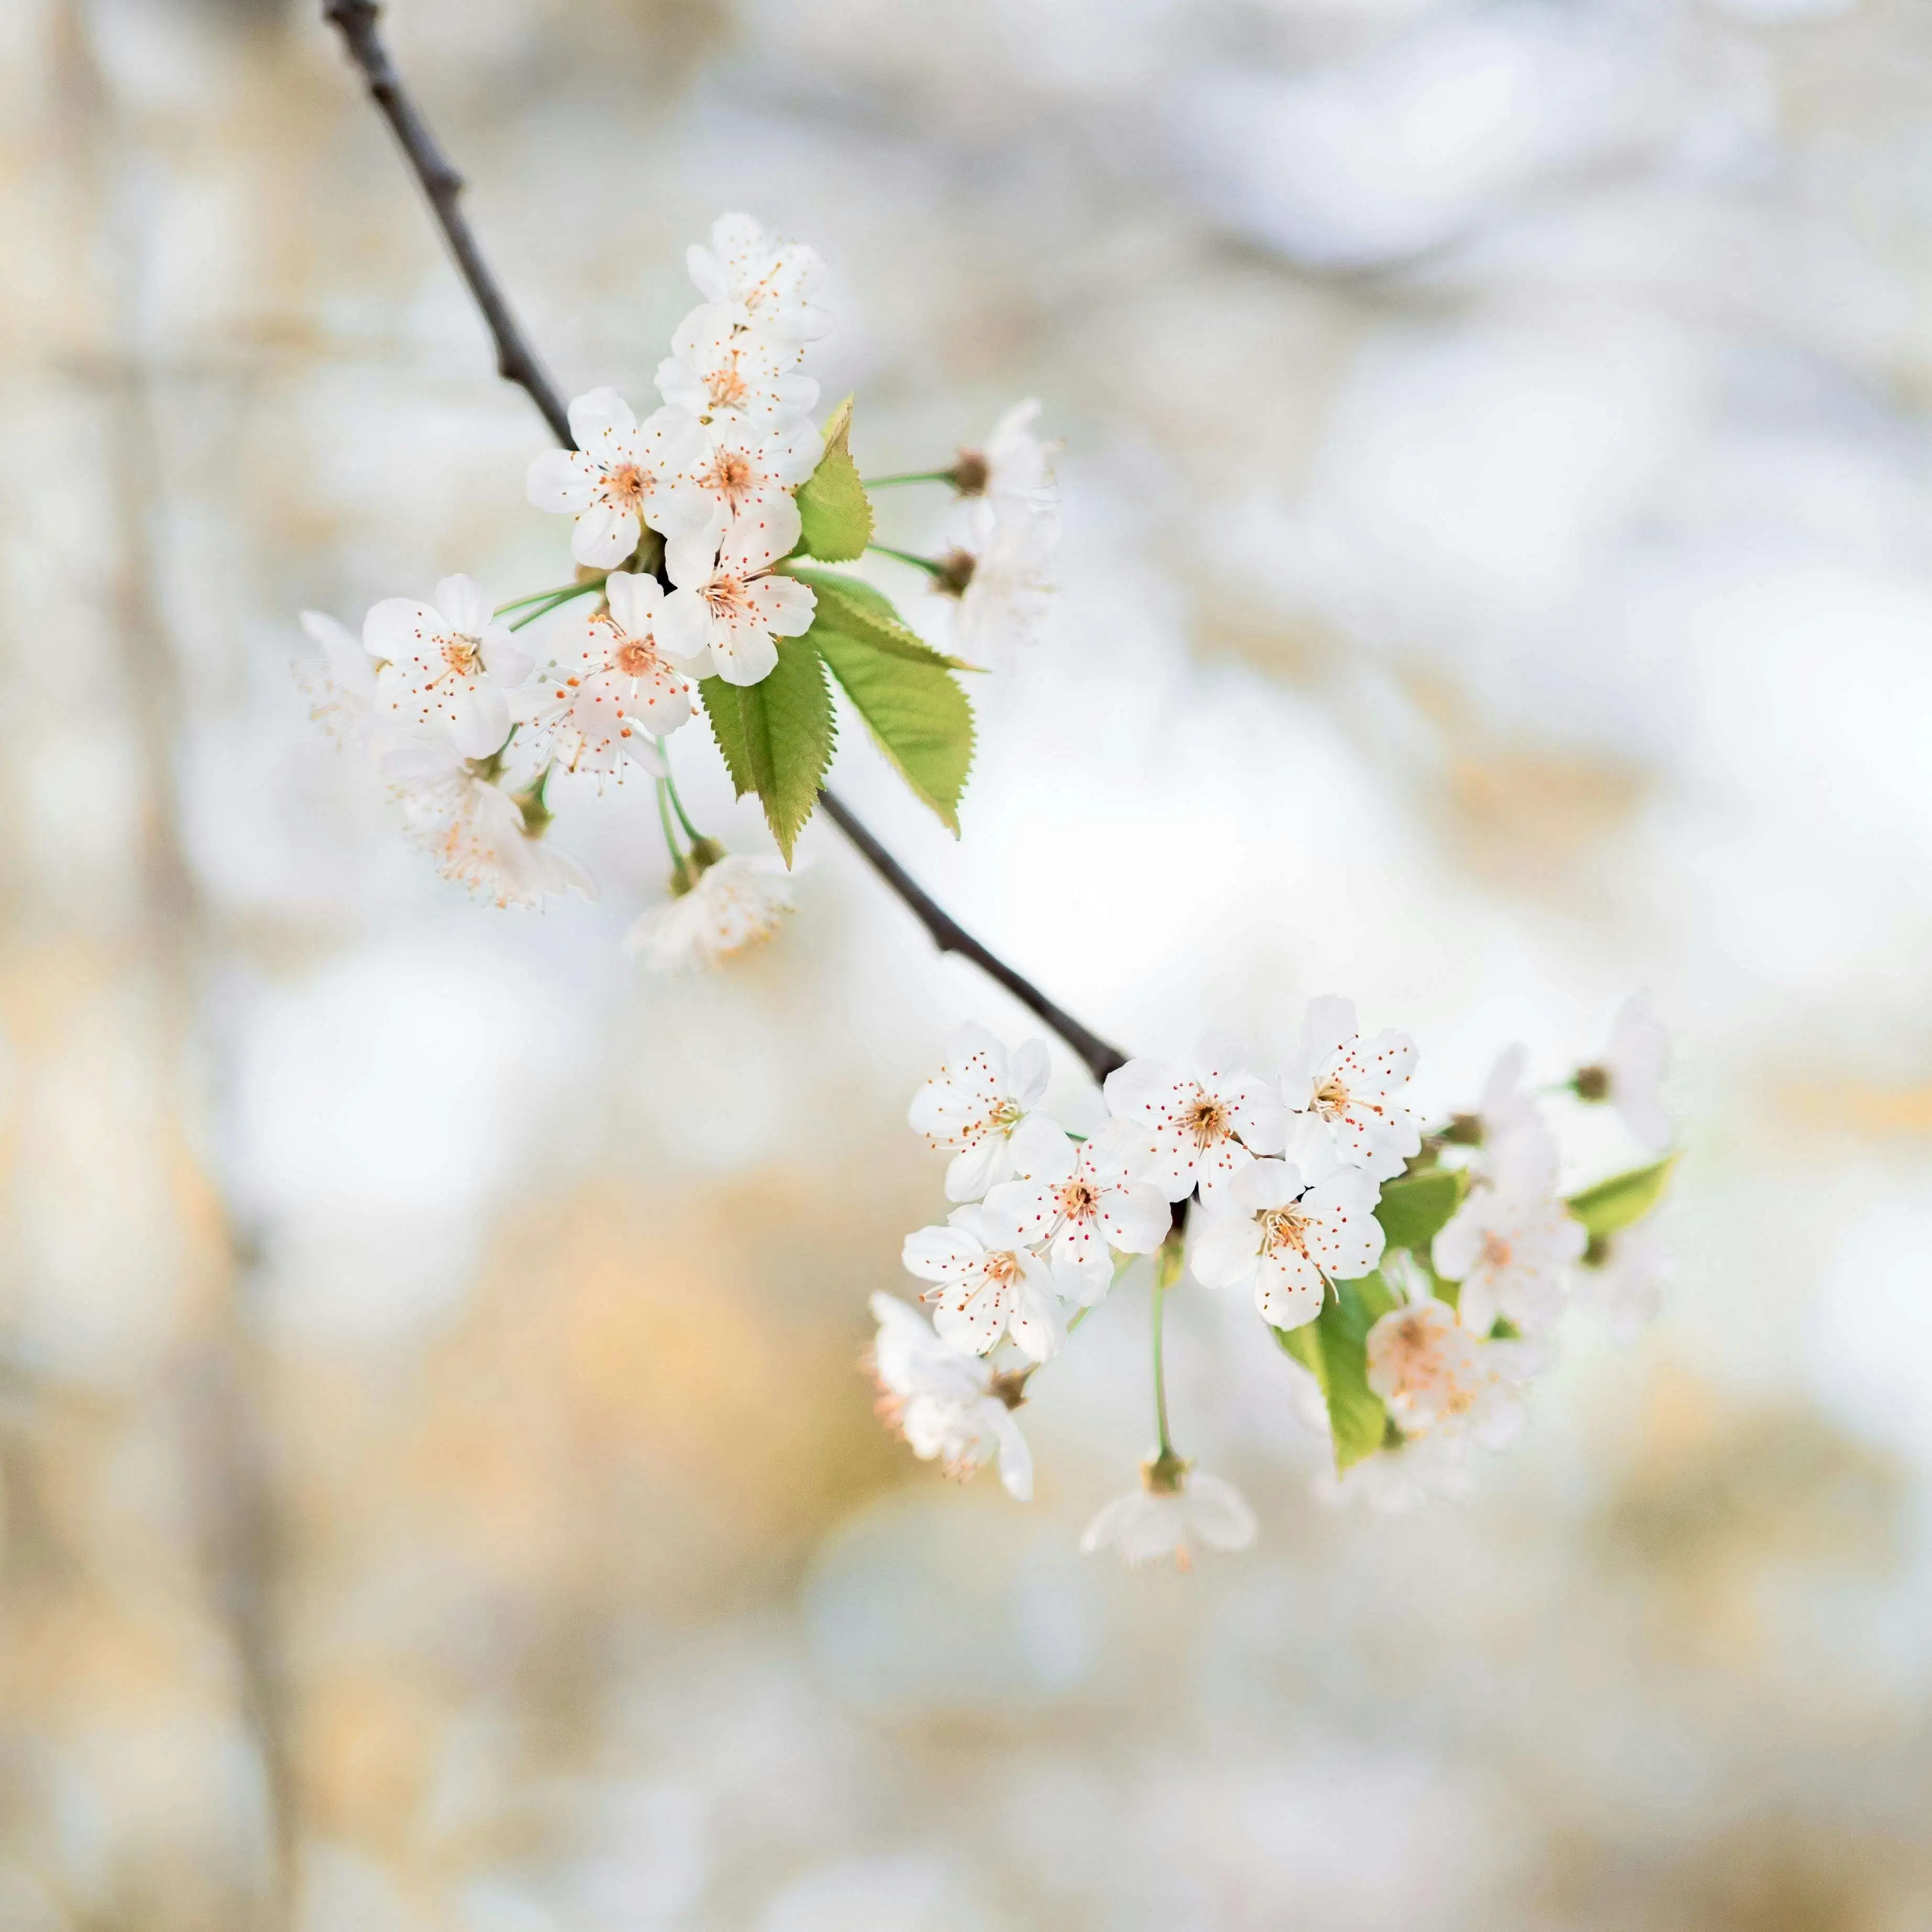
1615 1203
1334 1349
834 513
777 736
1414 1208
901 687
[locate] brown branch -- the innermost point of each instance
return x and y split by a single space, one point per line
517 362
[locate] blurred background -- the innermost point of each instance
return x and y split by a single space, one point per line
440 1490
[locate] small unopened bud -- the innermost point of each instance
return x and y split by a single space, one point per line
705 852
969 474
1596 1251
1592 1083
1164 1475
955 572
1009 1387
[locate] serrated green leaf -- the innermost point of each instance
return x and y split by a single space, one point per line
1415 1207
777 736
901 688
1334 1347
834 513
1622 1200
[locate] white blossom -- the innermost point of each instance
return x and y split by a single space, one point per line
1631 1074
1515 1134
448 664
1623 1278
1395 1481
746 476
475 830
1151 1522
622 475
1269 1230
942 1403
1010 528
341 692
973 1107
728 609
725 374
609 692
1510 1246
765 283
1208 1120
1430 1370
1082 1201
1349 1095
988 1283
736 903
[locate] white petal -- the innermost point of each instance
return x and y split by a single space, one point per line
743 655
461 600
1016 1458
983 1164
561 479
507 660
940 1254
1039 1149
601 412
603 536
479 721
683 629
1223 1250
396 627
634 600
1219 1514
785 606
1031 1069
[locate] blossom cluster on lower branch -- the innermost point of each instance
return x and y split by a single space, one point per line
1415 1276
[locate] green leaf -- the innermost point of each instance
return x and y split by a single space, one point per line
901 687
1415 1207
1334 1347
1624 1198
776 735
834 513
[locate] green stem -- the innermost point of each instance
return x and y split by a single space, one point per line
670 831
535 597
931 565
1166 1271
908 476
669 784
558 599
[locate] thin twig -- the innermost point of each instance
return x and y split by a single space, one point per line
517 362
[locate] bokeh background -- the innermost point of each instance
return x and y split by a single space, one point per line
439 1491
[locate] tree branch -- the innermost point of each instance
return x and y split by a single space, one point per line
517 362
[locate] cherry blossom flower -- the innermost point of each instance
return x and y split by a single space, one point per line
1397 1480
1270 1230
1623 1277
988 1283
728 611
1207 1121
1510 1246
610 691
1175 1507
977 1103
735 904
1009 529
946 1405
765 283
1629 1075
475 830
1080 1201
622 475
1430 1369
1347 1094
341 692
1514 1131
724 374
449 663
746 476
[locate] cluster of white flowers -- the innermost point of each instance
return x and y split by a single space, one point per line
1007 528
1447 1256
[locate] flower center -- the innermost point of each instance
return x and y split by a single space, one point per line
1003 1269
731 476
724 596
1207 1120
1331 1098
1077 1199
461 654
1283 1227
627 484
634 659
1496 1252
727 388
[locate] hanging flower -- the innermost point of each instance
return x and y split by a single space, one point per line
1629 1075
1430 1369
946 1405
1002 572
976 1103
765 283
610 691
449 664
1347 1095
736 902
1175 1507
1623 1276
1207 1120
728 611
1083 1201
622 475
341 692
1270 1230
725 375
987 1283
1510 1246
